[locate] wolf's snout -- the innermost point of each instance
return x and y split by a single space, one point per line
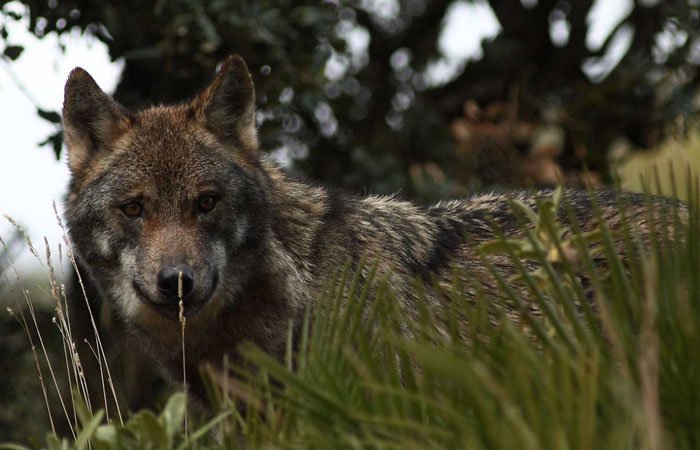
168 280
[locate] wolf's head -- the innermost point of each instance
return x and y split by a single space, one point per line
169 201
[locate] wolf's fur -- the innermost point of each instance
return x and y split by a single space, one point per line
270 242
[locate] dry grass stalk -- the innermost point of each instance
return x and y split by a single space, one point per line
101 355
23 322
183 322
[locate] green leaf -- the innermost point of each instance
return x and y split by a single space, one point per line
526 210
13 51
173 414
204 431
88 431
56 142
53 443
505 245
107 434
81 409
8 446
51 116
121 437
152 431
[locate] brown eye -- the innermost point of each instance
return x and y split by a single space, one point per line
132 209
206 203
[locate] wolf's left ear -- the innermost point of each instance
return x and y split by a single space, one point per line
228 105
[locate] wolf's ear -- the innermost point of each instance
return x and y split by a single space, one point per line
90 119
227 106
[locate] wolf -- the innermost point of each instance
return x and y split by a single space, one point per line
178 202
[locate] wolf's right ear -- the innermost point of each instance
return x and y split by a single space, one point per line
90 119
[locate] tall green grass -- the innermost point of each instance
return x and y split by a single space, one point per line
601 353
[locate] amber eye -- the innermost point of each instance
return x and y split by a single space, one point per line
206 203
132 209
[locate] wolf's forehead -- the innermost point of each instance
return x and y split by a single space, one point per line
167 133
172 162
166 142
165 150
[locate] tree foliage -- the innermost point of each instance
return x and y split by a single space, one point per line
378 120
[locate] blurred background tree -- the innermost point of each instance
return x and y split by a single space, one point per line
348 94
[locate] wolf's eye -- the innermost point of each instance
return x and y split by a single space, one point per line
132 209
206 203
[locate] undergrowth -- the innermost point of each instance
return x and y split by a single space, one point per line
600 354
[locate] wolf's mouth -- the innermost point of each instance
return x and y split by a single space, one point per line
171 310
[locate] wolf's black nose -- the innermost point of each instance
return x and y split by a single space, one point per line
168 281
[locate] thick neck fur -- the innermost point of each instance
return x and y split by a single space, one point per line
321 229
297 213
